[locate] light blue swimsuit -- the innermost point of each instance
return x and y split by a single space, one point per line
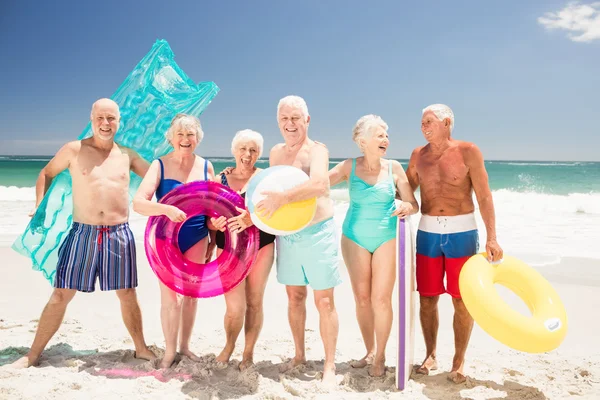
369 222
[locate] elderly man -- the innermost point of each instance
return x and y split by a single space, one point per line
100 244
448 171
309 257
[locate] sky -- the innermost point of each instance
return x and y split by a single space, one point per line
521 77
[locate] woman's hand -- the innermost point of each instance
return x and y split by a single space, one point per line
404 209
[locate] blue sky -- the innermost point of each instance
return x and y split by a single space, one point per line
521 77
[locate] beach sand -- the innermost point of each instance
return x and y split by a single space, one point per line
91 356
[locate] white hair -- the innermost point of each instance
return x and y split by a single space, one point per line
245 136
442 112
294 102
365 127
187 123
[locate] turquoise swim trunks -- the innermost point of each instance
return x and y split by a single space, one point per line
309 257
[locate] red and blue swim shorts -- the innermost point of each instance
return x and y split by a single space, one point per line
444 244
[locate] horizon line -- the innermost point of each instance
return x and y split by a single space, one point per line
336 158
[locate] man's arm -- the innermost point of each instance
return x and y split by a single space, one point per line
137 164
60 162
318 183
411 170
273 155
479 179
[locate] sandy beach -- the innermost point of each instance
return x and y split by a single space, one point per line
91 356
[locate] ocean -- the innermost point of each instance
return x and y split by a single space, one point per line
544 210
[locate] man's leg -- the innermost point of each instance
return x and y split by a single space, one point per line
430 323
463 322
463 326
132 317
430 284
329 327
297 319
52 317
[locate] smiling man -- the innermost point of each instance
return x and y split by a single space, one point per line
100 244
309 257
448 171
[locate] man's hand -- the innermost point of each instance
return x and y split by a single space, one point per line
271 203
227 171
494 251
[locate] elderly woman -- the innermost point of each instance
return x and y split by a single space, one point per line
176 168
369 232
245 302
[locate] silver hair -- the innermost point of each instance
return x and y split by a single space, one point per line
442 112
245 136
365 126
295 102
186 122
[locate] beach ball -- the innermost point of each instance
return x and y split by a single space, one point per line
288 219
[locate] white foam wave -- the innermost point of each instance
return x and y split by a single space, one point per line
13 193
538 228
543 164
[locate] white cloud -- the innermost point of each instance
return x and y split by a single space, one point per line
584 19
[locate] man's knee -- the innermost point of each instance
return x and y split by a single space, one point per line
459 306
429 303
324 301
127 295
62 296
296 296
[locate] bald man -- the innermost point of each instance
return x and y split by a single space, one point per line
100 244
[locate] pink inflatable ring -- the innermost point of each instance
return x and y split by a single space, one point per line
184 276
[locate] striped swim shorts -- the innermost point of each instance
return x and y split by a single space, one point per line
444 244
90 251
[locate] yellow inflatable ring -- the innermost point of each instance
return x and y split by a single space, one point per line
543 331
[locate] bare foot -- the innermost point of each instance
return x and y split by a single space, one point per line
329 375
246 363
145 354
24 362
377 369
221 365
293 363
188 353
224 356
167 361
456 377
363 362
430 364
